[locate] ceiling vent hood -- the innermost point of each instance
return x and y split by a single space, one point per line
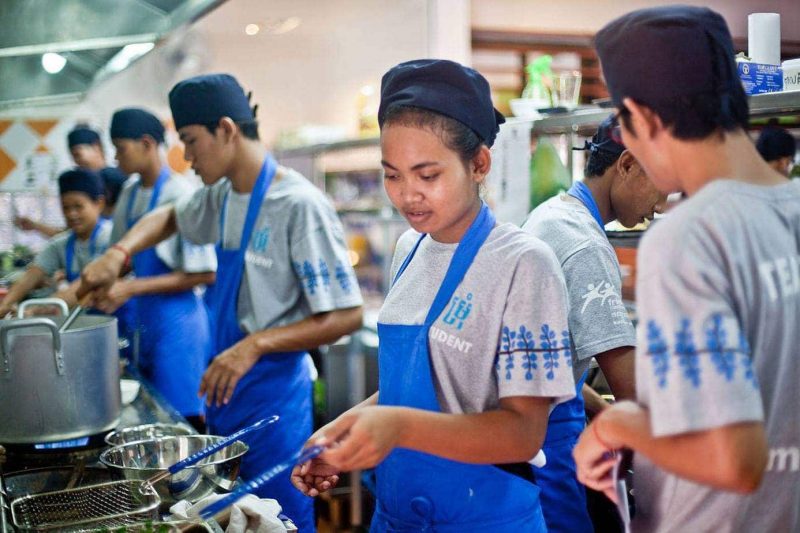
52 53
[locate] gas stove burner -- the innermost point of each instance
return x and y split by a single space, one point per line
25 456
78 445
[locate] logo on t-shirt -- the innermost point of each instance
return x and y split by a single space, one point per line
459 310
599 291
260 240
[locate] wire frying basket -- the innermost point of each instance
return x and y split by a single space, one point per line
107 505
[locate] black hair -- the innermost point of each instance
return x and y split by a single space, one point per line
249 128
455 135
598 162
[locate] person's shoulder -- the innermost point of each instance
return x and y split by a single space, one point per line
295 192
179 185
406 241
559 219
511 244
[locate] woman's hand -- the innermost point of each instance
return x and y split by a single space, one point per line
362 438
225 371
315 476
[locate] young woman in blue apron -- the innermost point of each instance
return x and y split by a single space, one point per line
174 337
464 388
266 314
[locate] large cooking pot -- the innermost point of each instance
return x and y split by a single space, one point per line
56 387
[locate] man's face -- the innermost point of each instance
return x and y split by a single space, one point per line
634 197
88 156
650 155
207 152
131 154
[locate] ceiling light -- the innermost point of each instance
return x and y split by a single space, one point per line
127 55
252 29
53 63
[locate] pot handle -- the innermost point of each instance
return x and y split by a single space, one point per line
62 305
8 325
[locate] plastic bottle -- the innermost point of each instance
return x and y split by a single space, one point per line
540 81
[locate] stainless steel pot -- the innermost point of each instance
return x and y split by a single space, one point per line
56 387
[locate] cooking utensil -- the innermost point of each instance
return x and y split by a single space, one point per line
57 387
108 504
146 432
223 503
76 311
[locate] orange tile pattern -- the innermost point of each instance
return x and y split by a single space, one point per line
42 127
6 164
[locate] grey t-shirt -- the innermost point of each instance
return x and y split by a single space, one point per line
296 263
53 256
718 290
598 320
504 332
176 252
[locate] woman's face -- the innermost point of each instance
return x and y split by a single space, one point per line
428 182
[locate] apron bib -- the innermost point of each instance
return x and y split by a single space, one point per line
279 383
422 492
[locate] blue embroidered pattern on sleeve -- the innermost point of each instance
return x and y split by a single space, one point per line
506 344
343 278
325 274
310 277
566 345
723 358
550 347
526 343
658 351
687 353
747 360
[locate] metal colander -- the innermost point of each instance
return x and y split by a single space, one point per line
89 508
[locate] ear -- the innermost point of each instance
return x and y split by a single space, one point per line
228 128
149 142
644 120
627 165
481 164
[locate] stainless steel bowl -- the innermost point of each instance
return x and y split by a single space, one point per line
146 432
144 459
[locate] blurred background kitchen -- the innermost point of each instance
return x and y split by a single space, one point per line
314 69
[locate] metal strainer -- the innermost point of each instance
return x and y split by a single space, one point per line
111 504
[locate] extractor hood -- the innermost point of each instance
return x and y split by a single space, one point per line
97 38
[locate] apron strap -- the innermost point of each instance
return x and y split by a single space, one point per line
462 259
268 170
70 251
162 178
582 192
408 259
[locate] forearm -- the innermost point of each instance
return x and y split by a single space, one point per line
47 230
731 457
593 402
499 436
309 333
69 293
619 370
29 281
169 283
153 228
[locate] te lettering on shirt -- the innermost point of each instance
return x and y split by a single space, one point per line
781 276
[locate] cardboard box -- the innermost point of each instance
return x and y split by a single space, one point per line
759 78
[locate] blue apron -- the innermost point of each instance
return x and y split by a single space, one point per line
174 336
422 492
279 383
563 497
126 315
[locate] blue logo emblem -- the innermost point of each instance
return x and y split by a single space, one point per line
459 311
260 240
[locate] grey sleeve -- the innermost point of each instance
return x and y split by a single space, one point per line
693 363
533 351
120 224
198 214
597 318
320 259
52 256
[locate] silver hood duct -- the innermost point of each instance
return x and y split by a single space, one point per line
98 38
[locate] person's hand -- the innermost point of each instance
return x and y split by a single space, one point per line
362 438
116 296
24 223
315 476
99 275
225 371
595 454
7 311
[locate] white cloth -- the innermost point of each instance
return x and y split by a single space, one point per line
249 515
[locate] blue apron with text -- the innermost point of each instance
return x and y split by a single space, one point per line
563 496
421 492
125 315
174 336
279 383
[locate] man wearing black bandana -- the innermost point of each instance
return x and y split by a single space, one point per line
615 188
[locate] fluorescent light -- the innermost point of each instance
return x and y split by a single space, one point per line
252 29
53 63
128 54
